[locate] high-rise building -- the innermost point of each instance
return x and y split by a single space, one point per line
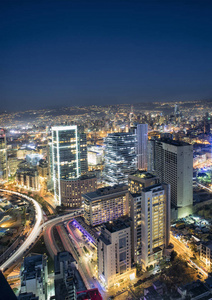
114 253
150 214
106 204
139 180
34 276
141 131
120 157
69 156
3 155
173 164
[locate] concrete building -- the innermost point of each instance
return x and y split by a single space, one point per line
27 176
114 253
72 190
120 157
34 276
173 164
43 168
64 268
139 180
69 156
206 253
106 204
3 156
150 214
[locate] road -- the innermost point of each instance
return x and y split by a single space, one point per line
186 253
204 187
35 232
85 268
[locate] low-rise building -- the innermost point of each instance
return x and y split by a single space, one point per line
206 253
34 276
106 204
64 268
27 176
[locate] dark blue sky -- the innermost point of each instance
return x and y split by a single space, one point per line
103 52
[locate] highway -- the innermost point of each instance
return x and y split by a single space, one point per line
204 187
35 232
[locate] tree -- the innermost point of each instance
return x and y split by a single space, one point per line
173 255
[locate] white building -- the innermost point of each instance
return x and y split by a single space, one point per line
114 253
150 213
173 164
34 276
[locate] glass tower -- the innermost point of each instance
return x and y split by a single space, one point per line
120 157
3 156
69 156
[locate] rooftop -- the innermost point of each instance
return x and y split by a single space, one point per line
173 142
142 174
121 188
118 225
158 186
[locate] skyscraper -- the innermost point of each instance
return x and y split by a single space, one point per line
120 157
69 156
141 132
150 214
173 164
3 155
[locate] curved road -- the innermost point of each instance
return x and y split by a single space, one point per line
36 230
33 234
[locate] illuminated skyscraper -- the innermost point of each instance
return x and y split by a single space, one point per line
3 156
69 156
141 131
120 157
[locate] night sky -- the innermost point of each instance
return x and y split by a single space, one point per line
68 53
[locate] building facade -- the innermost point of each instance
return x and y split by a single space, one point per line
150 214
139 180
106 204
141 132
3 156
114 253
72 190
27 176
34 276
173 164
206 253
120 157
69 156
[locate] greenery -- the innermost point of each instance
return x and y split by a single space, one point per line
138 270
173 255
171 276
